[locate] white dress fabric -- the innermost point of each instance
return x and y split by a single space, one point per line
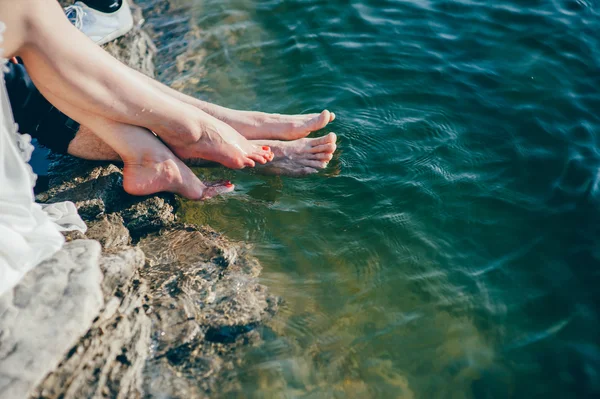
29 232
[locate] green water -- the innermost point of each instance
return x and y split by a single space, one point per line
451 249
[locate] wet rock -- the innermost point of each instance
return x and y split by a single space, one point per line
109 231
150 214
119 269
46 314
227 301
203 312
97 190
174 322
109 360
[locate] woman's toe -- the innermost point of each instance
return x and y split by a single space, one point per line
319 121
216 188
262 155
249 163
267 153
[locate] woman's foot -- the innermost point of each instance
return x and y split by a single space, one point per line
263 126
150 167
300 157
151 177
221 143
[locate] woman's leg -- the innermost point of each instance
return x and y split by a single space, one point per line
253 125
81 73
149 166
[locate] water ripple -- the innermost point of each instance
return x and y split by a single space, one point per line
455 233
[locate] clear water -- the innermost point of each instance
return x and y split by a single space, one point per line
451 248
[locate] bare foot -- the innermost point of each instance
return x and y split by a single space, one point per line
221 143
150 167
264 126
302 156
153 177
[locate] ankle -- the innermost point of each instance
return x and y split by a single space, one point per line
145 157
186 129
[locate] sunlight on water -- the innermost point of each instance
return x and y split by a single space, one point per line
450 248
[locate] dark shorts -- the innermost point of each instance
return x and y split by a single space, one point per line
35 115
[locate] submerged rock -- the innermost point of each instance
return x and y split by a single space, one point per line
178 307
162 310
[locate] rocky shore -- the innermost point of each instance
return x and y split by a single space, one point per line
139 306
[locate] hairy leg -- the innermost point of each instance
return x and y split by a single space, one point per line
87 145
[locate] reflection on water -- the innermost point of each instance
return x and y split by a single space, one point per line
450 250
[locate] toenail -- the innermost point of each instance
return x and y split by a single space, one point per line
266 148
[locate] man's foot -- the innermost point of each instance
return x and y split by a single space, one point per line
300 157
99 26
262 126
220 143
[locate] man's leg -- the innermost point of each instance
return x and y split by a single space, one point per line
293 158
87 145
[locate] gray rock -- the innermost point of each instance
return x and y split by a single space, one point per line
119 269
149 214
206 303
46 314
109 360
97 190
109 231
174 323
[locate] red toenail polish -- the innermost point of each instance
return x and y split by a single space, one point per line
228 183
266 148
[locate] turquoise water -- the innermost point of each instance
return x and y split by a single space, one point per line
451 248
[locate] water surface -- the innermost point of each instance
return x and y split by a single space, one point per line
451 248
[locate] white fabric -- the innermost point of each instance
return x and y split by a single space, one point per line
28 235
64 215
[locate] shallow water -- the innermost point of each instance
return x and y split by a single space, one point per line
450 249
